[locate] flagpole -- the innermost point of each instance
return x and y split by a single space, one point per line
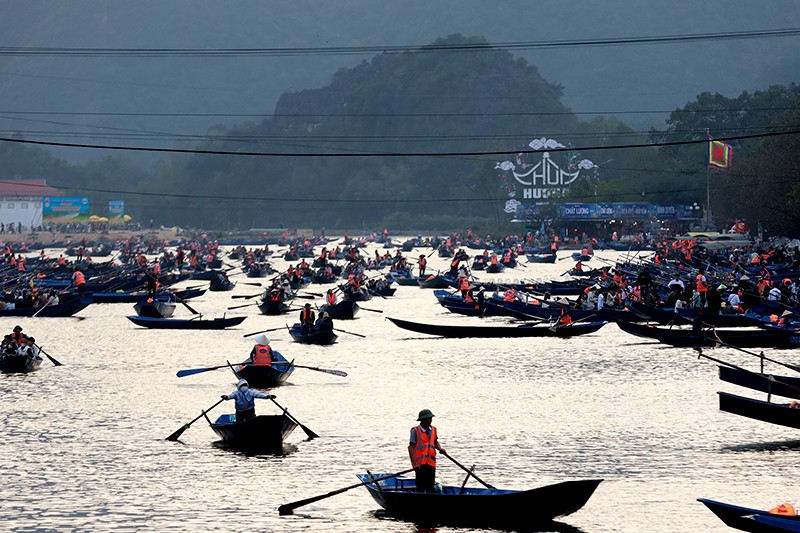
708 195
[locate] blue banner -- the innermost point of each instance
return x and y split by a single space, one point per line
65 209
116 209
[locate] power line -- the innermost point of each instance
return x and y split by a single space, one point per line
360 50
388 154
401 115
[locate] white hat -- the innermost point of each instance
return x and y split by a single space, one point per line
262 339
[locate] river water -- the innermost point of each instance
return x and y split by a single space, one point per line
82 446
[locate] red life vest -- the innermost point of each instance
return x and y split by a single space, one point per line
701 283
305 315
262 355
463 284
424 449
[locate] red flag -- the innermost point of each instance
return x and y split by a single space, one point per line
719 154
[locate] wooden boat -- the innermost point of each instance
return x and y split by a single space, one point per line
774 413
433 282
262 432
403 277
747 519
440 330
788 387
273 307
478 507
155 308
578 256
344 310
19 364
384 292
264 376
68 308
186 323
495 269
547 258
221 286
315 337
135 296
687 338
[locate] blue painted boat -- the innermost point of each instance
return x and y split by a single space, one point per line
315 337
265 376
262 432
478 507
754 520
57 310
786 386
774 413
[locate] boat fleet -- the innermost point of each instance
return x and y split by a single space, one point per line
639 293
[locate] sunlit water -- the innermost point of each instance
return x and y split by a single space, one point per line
82 445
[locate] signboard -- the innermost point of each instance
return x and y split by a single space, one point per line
594 212
65 209
116 209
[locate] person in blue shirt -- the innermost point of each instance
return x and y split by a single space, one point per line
245 400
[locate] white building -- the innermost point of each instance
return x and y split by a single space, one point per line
21 202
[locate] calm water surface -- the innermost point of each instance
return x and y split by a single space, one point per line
82 445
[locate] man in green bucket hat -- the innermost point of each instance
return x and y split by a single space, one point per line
422 447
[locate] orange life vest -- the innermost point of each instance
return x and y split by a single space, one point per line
305 315
424 449
331 297
701 283
463 284
262 355
79 278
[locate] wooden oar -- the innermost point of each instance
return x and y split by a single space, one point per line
350 333
325 370
245 296
311 434
467 470
52 359
252 284
370 310
288 508
258 332
192 371
175 436
240 306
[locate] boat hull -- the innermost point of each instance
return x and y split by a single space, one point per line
774 413
19 364
478 507
263 376
315 337
743 518
263 432
571 330
788 387
179 323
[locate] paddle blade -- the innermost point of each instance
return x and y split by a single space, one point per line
175 436
192 371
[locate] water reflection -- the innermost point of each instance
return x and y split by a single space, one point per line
284 450
488 525
777 446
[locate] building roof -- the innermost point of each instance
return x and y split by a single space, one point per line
27 188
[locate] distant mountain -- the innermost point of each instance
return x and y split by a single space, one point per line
625 79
